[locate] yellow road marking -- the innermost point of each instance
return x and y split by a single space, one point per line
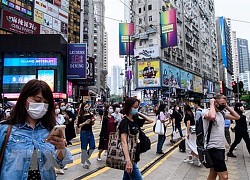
159 163
96 173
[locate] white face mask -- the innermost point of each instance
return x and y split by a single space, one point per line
117 110
111 111
63 108
7 113
37 110
57 111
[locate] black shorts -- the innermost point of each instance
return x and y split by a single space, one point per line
218 157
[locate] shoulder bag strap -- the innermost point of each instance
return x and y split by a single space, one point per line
209 131
5 144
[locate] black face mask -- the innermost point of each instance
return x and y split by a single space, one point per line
221 107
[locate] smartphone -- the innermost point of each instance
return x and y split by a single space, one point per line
55 131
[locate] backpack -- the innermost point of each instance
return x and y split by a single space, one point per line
199 131
200 136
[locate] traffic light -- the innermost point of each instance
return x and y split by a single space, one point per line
234 86
241 85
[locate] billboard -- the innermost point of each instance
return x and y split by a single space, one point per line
168 28
56 24
12 62
18 24
90 73
47 20
171 76
148 74
223 41
126 45
148 52
187 80
41 5
53 10
198 84
48 76
77 56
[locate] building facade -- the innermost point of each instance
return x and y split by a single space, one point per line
116 80
225 53
245 78
235 56
196 50
243 55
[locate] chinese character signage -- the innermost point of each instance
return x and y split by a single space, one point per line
77 55
168 28
18 24
126 45
148 74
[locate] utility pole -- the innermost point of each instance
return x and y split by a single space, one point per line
238 90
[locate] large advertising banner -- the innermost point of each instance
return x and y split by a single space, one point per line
198 84
168 28
13 62
170 75
126 45
77 56
187 80
48 21
148 74
41 5
223 41
48 76
18 24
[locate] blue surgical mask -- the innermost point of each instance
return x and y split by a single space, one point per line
134 111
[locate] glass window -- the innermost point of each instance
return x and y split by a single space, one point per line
150 18
149 7
139 10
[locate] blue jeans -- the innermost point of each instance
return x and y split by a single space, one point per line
135 175
161 140
179 129
87 138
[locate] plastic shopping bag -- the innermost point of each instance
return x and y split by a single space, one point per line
159 128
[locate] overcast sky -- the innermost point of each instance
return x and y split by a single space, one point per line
236 10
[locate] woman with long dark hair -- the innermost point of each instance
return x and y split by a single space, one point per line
160 116
241 130
85 121
129 126
30 152
191 146
108 126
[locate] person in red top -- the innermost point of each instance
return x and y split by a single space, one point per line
108 125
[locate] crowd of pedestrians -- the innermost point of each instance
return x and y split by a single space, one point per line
37 112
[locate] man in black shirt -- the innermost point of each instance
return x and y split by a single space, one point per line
241 130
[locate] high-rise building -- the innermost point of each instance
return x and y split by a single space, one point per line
243 55
235 56
245 78
105 53
92 32
116 80
225 53
196 52
74 21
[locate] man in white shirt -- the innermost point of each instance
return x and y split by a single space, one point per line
216 144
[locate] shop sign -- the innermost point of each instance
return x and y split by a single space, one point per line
18 24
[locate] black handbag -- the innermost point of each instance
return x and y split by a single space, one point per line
204 155
145 143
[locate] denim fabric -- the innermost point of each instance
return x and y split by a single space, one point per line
161 140
20 147
135 175
180 130
87 138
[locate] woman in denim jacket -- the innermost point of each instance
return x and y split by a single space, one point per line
29 154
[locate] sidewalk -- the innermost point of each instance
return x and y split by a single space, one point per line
174 168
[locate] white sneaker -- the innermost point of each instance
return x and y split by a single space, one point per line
65 167
199 163
59 171
188 161
105 153
98 159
